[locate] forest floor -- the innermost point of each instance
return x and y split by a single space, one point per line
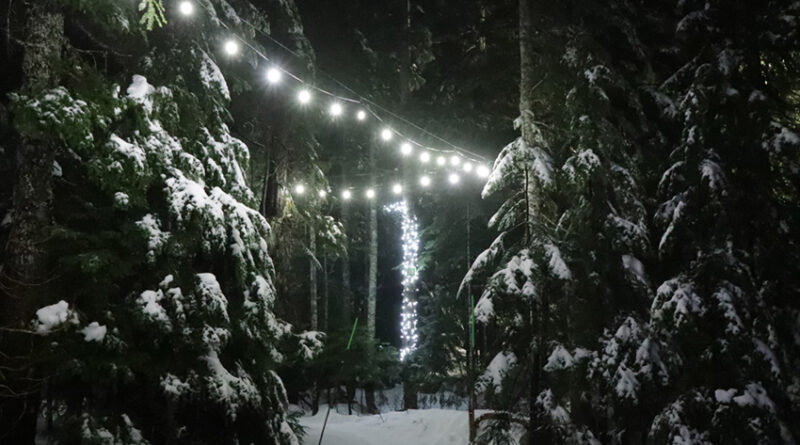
423 426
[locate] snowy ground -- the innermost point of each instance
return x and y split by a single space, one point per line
424 426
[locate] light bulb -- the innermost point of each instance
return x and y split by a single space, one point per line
425 181
231 47
440 160
322 193
361 115
336 109
299 189
468 167
304 96
424 157
274 75
405 148
370 193
455 160
453 178
397 189
186 8
346 195
386 134
482 171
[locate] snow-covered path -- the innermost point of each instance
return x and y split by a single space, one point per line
424 426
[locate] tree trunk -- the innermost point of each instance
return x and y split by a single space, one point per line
372 279
347 293
324 302
312 278
25 272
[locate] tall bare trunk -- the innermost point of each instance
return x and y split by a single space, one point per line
312 278
25 272
372 280
324 301
347 292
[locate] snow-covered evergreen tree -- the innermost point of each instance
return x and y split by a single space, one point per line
159 322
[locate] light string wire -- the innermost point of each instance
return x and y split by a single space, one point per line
366 103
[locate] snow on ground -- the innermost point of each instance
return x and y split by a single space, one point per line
423 426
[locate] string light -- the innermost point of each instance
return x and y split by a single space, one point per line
304 96
370 194
453 178
440 161
336 109
186 8
424 157
454 160
386 134
322 194
468 167
482 171
231 47
410 272
405 148
299 189
346 195
274 75
397 189
425 181
361 115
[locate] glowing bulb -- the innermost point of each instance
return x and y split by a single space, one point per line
405 148
186 8
425 181
397 189
440 161
454 160
304 96
453 178
482 171
336 109
322 193
231 47
424 157
370 193
361 115
299 189
386 134
346 195
468 167
274 75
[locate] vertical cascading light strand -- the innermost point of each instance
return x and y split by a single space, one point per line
410 239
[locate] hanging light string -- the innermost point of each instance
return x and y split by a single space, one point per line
410 271
367 106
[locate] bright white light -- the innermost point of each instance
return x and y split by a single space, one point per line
322 193
468 167
406 148
441 160
361 115
453 178
299 189
424 157
274 75
370 193
397 189
346 195
386 134
482 171
455 160
231 47
186 8
336 109
425 181
304 96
